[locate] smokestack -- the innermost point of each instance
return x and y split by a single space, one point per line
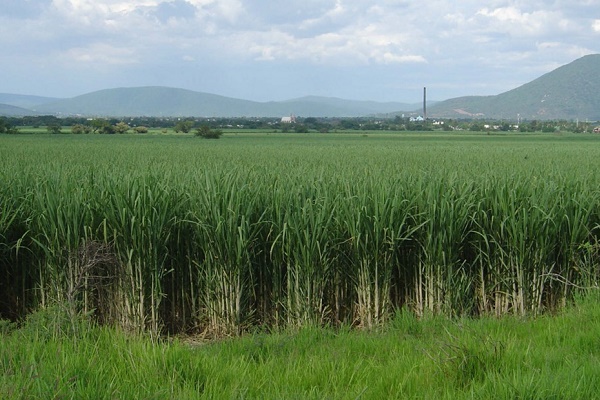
425 103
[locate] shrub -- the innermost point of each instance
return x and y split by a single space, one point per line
54 128
79 129
207 133
183 126
121 127
4 126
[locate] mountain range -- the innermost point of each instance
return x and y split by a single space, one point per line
569 92
157 101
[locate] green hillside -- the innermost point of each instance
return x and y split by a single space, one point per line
569 92
164 101
7 110
150 101
23 100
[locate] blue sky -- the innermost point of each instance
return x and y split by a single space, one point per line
385 50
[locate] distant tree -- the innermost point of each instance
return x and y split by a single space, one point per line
108 129
102 126
184 126
311 122
54 128
580 127
97 125
121 127
207 133
77 129
533 126
6 127
80 128
140 129
528 127
300 128
350 124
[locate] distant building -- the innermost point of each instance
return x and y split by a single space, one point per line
417 119
288 120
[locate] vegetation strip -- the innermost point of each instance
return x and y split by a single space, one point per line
53 356
173 234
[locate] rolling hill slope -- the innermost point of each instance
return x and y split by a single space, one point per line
23 100
7 110
163 101
569 92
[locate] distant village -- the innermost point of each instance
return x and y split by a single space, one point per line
289 123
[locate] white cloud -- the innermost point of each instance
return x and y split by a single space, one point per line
452 40
516 22
390 58
369 46
100 53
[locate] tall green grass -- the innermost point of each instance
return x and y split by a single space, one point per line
271 232
511 357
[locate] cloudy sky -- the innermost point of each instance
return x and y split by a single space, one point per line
264 50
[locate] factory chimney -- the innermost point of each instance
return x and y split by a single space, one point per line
425 103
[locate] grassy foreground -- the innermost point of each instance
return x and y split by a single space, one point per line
549 357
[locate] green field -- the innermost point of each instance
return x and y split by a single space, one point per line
265 230
548 357
354 265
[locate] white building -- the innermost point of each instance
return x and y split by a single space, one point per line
288 120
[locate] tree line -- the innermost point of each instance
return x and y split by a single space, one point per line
81 125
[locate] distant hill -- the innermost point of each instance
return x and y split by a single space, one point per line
569 92
355 107
164 101
7 110
23 100
147 101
